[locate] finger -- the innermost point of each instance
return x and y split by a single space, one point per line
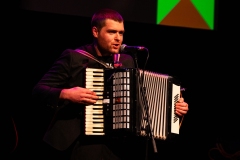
93 93
179 113
182 107
88 101
181 110
87 91
183 104
181 100
95 97
92 97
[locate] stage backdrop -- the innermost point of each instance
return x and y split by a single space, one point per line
198 14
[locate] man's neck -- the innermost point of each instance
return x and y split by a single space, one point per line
98 51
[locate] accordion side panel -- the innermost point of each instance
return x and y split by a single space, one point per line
174 118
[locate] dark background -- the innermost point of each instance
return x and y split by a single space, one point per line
205 61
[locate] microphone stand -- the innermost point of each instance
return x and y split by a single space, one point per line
145 108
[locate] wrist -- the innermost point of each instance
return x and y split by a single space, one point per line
64 94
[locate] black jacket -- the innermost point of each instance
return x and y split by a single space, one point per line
67 72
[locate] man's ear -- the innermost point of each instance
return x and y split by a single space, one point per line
95 32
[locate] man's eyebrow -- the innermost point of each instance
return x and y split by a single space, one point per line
113 30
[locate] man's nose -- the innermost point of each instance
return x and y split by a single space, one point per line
117 36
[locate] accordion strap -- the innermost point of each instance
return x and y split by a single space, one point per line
92 57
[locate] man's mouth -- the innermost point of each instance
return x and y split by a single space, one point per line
116 46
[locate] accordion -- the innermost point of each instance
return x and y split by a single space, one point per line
132 102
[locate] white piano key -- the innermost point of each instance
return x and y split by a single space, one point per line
96 134
94 69
91 116
97 122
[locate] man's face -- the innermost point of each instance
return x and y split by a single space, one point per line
110 37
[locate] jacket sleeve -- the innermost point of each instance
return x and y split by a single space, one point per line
47 91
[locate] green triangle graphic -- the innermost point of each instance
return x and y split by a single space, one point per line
164 7
206 9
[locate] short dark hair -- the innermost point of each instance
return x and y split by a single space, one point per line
98 19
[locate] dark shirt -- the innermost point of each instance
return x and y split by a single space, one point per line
67 72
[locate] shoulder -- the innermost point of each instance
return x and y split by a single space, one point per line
70 53
88 48
77 51
71 56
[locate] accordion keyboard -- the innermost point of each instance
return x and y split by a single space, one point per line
94 118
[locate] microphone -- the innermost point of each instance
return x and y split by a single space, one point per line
125 48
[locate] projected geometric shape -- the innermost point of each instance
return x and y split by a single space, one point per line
206 9
186 13
164 8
